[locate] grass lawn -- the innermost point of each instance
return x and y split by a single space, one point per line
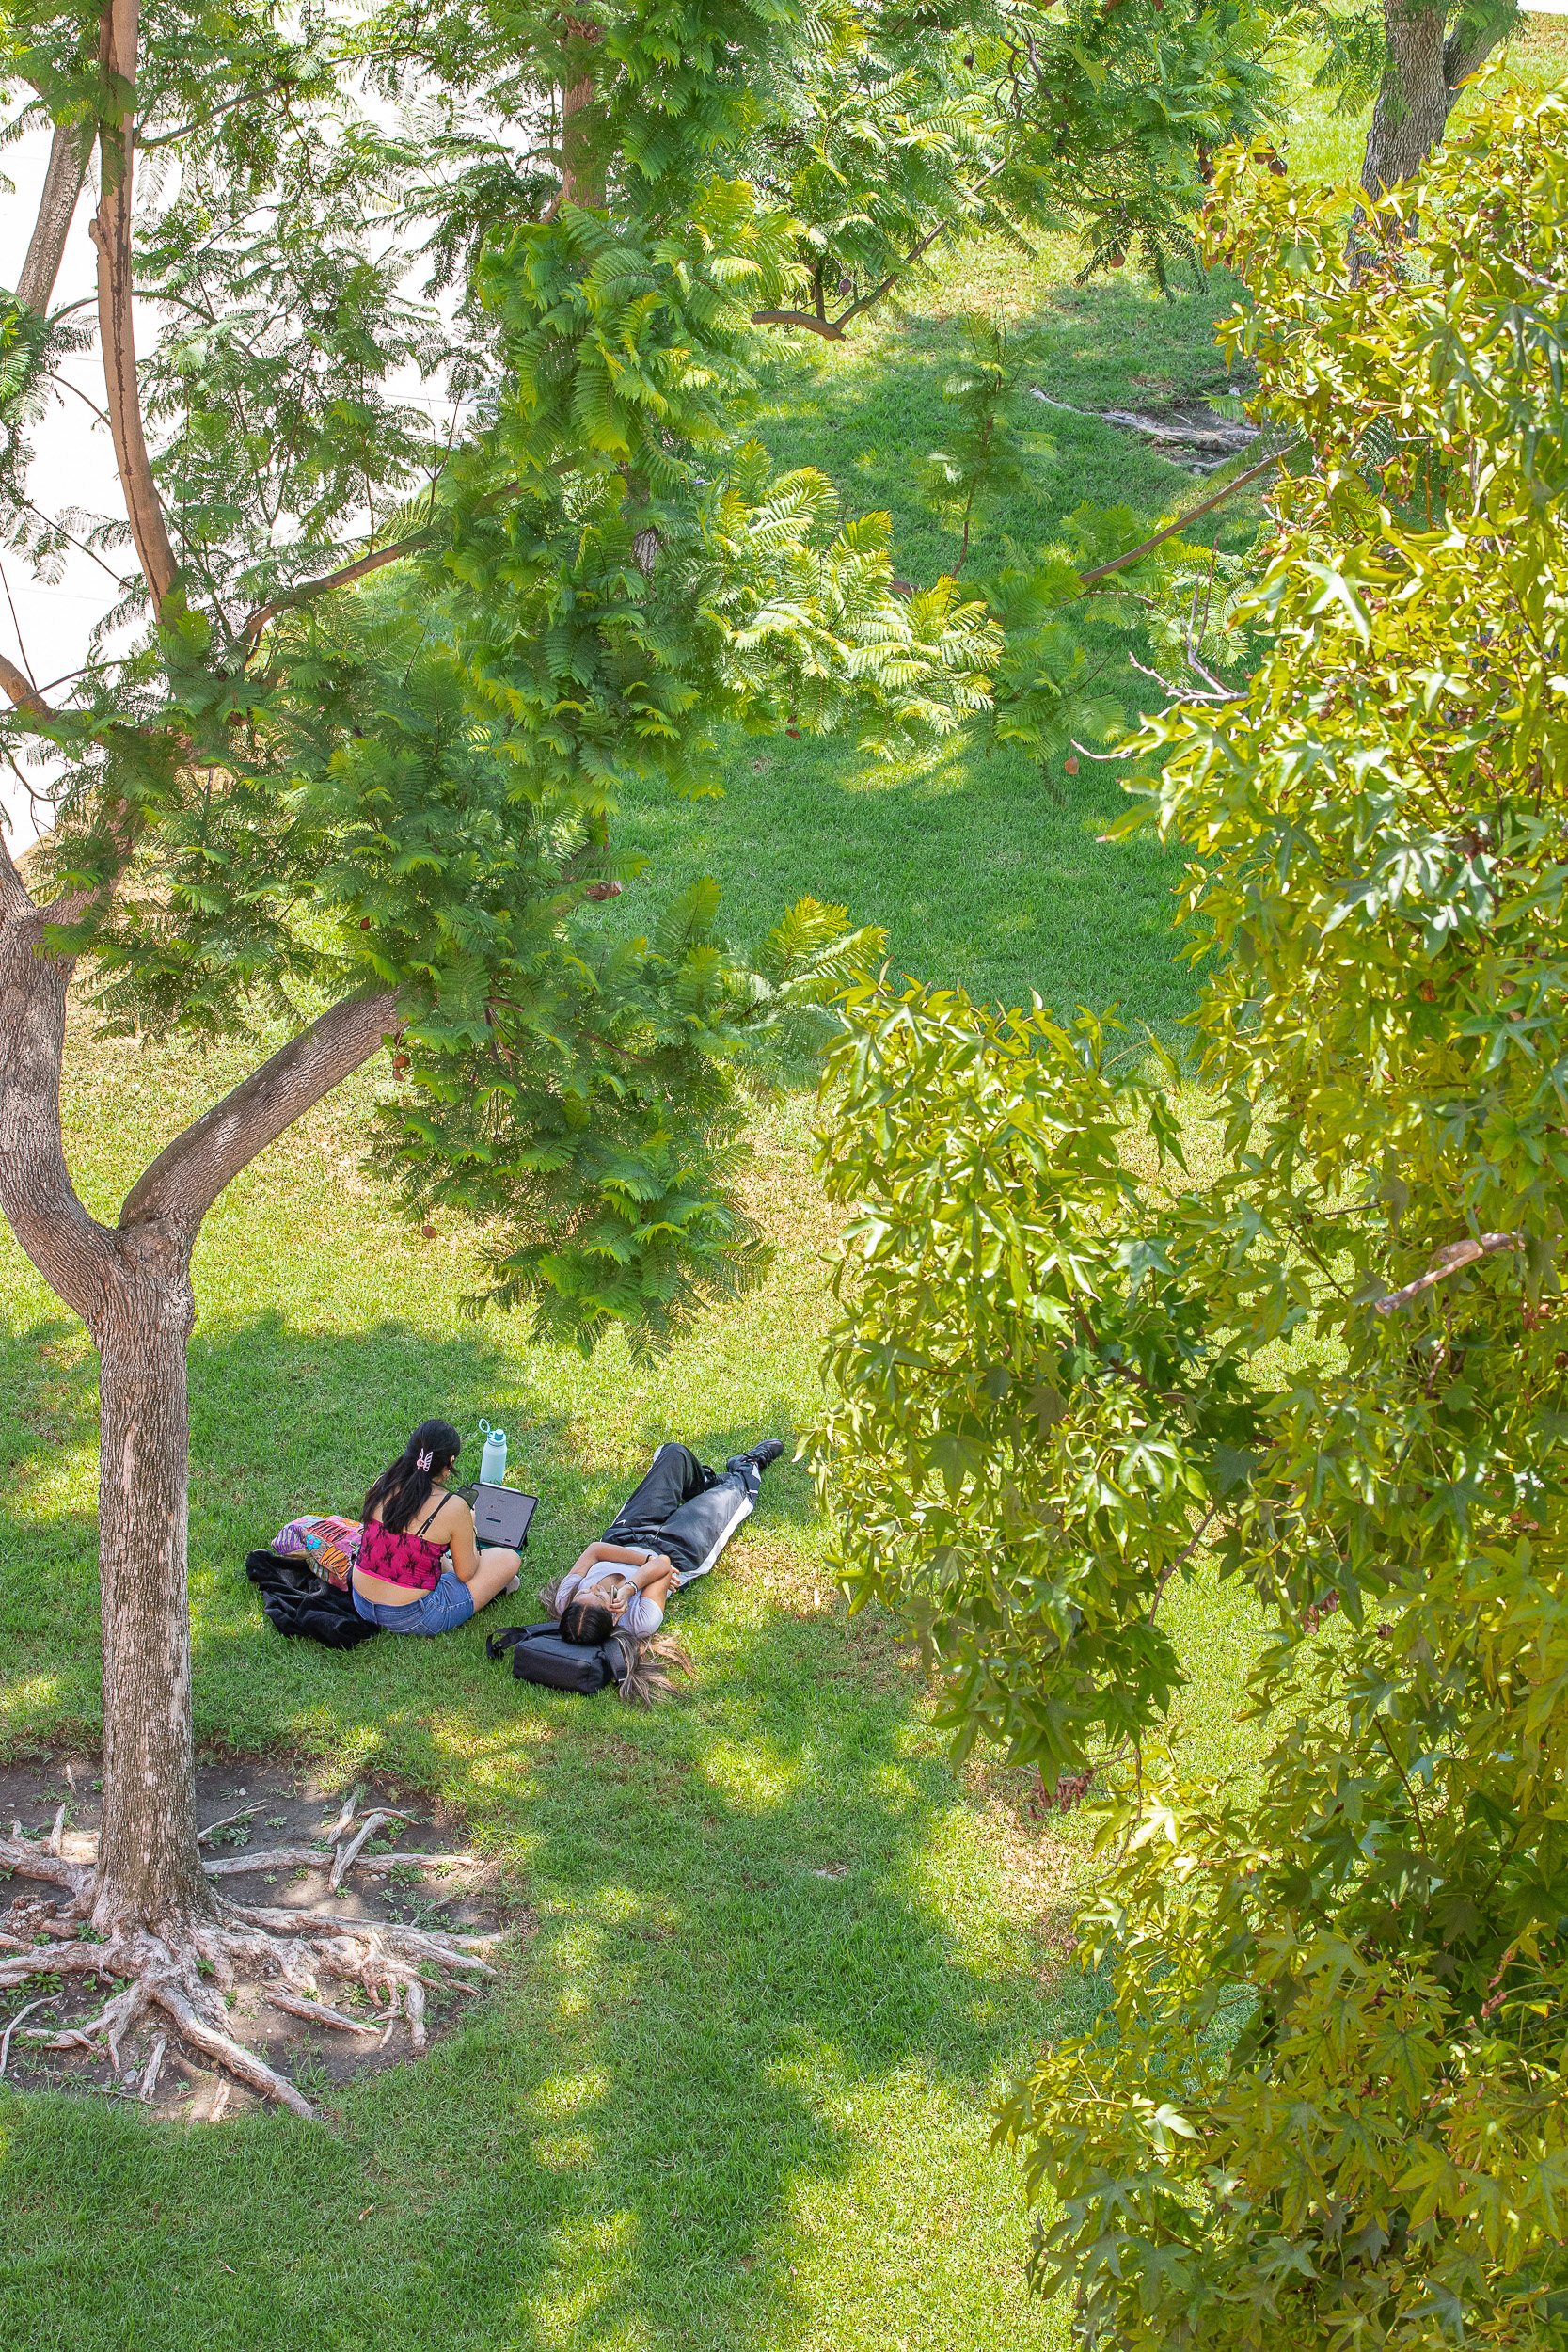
734 2089
978 867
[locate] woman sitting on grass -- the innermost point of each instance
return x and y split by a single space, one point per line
411 1524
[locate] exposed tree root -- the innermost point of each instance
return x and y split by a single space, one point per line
274 1946
33 1858
318 2013
154 2068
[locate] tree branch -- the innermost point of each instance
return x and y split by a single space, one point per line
829 330
252 627
119 32
20 690
1382 1733
1448 1261
1204 506
185 1179
70 1249
833 329
62 186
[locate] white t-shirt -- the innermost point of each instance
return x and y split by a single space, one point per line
640 1617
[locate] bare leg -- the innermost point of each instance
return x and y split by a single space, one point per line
497 1565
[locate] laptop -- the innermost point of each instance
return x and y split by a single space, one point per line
501 1514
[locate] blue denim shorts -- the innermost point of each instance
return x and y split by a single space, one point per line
449 1604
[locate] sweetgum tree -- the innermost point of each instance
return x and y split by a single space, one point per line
346 757
1326 2101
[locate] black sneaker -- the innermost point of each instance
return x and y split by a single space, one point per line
759 1456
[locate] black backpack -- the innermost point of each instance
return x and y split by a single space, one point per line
540 1655
297 1601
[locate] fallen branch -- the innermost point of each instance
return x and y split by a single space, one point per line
227 1822
350 1808
346 1855
1448 1261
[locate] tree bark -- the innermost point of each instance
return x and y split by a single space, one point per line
581 182
119 35
1421 80
1412 104
150 1874
62 186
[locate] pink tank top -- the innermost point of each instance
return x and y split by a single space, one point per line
403 1558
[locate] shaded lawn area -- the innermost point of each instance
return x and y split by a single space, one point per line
735 2086
733 2089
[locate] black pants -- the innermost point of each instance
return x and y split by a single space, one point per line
684 1509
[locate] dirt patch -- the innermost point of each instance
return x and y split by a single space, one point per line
252 1806
1044 1877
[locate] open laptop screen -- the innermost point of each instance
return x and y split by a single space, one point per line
501 1514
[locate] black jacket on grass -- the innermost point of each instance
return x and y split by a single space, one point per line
297 1601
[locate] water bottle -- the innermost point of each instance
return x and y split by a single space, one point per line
492 1468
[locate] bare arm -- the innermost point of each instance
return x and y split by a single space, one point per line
647 1567
454 1525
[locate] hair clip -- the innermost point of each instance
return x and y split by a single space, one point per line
423 1461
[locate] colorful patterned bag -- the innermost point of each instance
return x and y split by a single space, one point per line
329 1547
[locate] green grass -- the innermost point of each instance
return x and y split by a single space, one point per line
978 867
718 2100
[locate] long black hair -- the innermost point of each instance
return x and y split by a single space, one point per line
404 1485
586 1622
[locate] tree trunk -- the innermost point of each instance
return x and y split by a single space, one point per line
581 180
149 1872
1413 103
132 1291
1421 80
132 1287
62 186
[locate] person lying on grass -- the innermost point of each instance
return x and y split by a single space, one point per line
666 1535
412 1523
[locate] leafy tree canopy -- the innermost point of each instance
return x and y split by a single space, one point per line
386 683
1327 2104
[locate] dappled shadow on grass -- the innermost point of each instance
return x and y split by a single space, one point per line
749 1945
760 2018
738 1939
